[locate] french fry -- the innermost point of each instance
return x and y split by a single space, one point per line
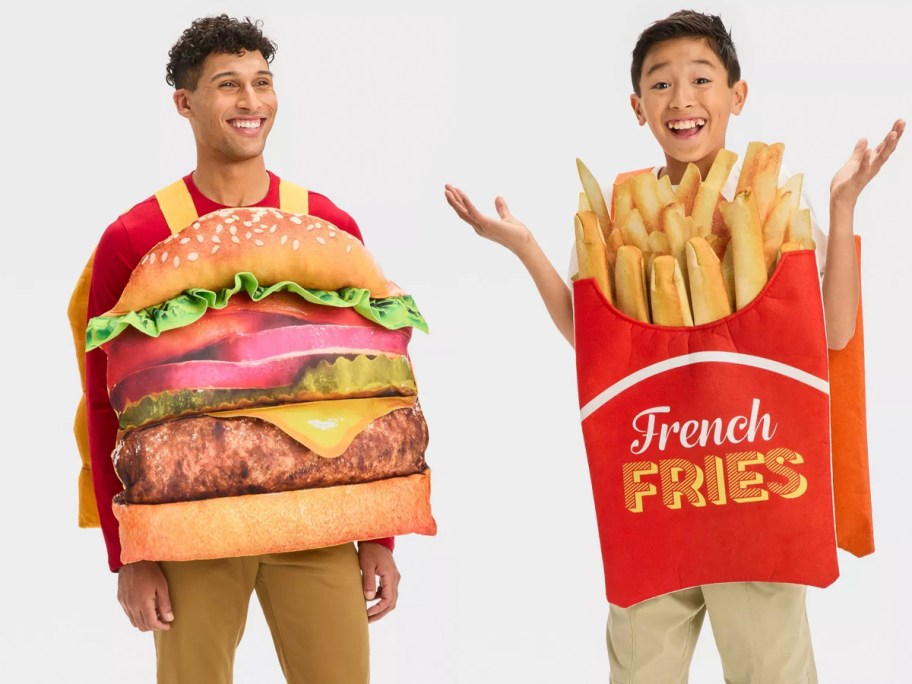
594 197
667 294
707 287
774 229
623 201
634 232
591 252
687 188
710 190
793 185
630 283
749 166
646 199
676 228
658 243
666 192
799 228
583 204
743 218
615 241
728 274
766 181
718 244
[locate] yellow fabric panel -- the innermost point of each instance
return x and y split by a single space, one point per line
177 206
77 312
325 427
293 198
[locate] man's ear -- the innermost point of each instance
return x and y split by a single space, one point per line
182 98
637 109
740 97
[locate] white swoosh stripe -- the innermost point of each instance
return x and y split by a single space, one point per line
702 357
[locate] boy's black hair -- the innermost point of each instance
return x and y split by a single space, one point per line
687 24
208 35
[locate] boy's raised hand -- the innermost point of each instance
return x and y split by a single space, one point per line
862 166
505 230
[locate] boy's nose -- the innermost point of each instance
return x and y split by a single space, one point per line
682 97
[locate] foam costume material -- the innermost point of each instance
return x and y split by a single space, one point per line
262 412
709 446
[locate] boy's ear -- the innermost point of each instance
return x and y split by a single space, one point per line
740 96
637 109
182 103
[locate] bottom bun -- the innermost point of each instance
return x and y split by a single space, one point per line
275 523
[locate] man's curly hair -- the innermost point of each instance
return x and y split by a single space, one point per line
208 35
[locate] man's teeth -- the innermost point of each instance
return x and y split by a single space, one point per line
684 125
246 124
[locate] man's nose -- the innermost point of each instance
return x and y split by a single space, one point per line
248 98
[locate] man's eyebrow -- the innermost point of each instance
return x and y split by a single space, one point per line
224 74
656 67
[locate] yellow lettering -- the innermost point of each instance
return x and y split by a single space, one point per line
795 483
681 479
715 480
634 487
743 485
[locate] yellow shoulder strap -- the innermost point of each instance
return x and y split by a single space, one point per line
293 198
177 206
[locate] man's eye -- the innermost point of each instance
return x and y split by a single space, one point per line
661 85
227 84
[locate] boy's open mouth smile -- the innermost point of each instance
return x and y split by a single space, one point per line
685 128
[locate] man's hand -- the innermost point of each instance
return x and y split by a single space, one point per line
143 593
377 561
506 230
862 166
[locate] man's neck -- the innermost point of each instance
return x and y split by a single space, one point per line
238 184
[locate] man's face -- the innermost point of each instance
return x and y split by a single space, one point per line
686 100
232 109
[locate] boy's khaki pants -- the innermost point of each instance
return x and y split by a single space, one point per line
312 600
761 631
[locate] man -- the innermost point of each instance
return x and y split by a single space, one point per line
314 601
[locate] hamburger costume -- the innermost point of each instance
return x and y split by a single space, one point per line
270 412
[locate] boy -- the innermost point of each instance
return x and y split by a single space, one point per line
687 83
314 601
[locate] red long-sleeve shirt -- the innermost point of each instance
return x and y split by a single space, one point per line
119 251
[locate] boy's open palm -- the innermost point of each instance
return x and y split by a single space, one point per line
863 165
505 230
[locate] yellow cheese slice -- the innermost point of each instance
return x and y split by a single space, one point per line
325 427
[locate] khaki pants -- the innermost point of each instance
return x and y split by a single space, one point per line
761 631
312 600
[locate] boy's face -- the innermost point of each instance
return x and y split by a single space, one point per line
232 108
686 100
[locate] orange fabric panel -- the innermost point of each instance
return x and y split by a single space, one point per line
851 478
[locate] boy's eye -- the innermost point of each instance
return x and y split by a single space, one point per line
661 85
702 81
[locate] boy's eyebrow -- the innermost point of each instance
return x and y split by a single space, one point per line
656 67
223 74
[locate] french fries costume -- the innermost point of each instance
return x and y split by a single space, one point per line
258 368
705 386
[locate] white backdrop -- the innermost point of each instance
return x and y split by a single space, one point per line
381 104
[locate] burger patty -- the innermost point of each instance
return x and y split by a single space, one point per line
204 457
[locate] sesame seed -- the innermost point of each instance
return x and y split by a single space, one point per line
231 219
193 256
144 259
235 239
200 238
348 249
164 256
177 261
249 235
214 249
196 225
295 219
321 240
273 229
248 223
310 227
258 243
218 229
283 240
332 234
216 238
295 245
184 241
232 230
152 258
257 230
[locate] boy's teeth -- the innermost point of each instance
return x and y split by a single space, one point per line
682 125
246 124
